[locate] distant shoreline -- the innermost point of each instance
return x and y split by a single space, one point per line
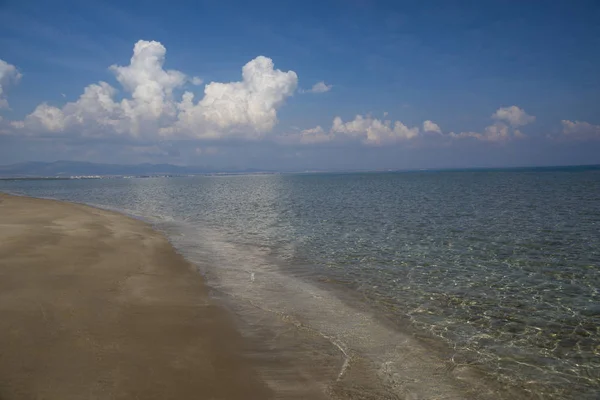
79 176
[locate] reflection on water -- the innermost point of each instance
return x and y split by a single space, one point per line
502 266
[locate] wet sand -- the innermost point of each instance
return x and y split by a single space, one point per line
97 305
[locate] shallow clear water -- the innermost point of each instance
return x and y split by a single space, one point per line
501 266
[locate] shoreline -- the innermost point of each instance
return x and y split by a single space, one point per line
95 304
378 358
311 362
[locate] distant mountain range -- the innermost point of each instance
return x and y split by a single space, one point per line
77 168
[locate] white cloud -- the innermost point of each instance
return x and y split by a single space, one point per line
430 126
48 117
374 131
238 109
247 108
151 86
367 130
319 87
580 130
151 108
514 115
494 133
500 131
9 74
315 135
97 113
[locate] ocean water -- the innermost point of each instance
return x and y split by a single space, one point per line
487 280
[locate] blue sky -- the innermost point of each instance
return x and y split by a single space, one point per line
329 84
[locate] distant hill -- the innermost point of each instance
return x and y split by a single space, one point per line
77 168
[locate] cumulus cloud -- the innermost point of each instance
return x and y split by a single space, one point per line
493 133
500 131
244 109
97 113
365 129
247 108
430 126
46 117
374 131
580 130
151 106
9 74
151 86
319 87
513 115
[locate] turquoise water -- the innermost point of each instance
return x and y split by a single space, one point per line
502 267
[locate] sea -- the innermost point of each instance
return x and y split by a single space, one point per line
430 284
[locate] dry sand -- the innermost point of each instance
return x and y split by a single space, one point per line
95 305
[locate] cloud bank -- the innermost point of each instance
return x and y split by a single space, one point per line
155 104
376 132
150 108
364 129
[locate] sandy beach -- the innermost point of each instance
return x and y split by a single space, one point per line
96 305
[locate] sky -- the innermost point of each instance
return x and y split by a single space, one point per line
301 85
